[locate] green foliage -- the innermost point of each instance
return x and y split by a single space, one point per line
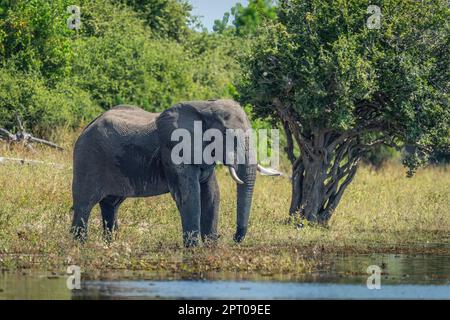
167 18
220 26
39 106
120 62
121 54
33 37
334 73
248 19
215 64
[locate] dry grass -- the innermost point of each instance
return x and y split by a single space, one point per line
382 211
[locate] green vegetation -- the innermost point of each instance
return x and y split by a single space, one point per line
383 211
340 89
166 18
121 54
247 20
314 59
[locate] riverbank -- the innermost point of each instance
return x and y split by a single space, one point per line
382 211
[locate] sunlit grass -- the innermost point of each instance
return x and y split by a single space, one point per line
382 211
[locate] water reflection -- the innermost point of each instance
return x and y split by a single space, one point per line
403 277
253 290
396 268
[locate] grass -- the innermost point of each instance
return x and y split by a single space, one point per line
382 211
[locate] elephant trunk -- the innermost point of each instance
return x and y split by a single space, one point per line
246 172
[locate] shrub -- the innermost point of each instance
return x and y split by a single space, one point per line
42 108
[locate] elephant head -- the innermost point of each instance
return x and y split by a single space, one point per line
221 115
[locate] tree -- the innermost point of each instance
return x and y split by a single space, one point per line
167 18
220 26
247 19
34 38
340 87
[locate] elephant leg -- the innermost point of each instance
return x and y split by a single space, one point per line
210 195
81 213
184 187
109 207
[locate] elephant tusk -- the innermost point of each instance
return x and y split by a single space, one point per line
268 172
235 176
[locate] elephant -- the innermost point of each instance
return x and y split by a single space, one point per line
126 153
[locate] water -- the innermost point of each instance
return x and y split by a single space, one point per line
256 290
403 277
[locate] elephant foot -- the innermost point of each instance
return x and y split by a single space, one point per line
108 237
79 234
191 243
191 240
210 240
239 236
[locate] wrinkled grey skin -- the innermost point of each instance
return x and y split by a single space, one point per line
126 153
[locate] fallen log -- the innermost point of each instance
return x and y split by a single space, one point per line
5 160
24 137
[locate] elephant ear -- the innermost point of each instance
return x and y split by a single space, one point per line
180 116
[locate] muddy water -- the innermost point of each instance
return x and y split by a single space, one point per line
403 277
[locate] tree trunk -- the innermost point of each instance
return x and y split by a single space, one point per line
321 174
326 165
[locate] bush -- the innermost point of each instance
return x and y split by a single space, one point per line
40 107
60 77
34 37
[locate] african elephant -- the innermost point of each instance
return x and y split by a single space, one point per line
126 153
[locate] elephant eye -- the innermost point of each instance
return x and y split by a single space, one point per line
227 117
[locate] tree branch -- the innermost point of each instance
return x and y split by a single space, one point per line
378 142
287 116
354 133
335 198
297 185
9 135
45 142
290 143
25 137
30 162
340 152
19 123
